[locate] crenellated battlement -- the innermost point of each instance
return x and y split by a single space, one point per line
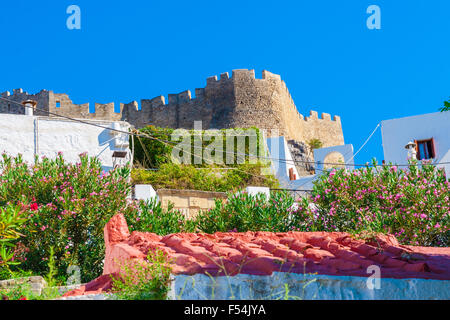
242 100
313 115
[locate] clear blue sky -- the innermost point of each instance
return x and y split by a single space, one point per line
330 60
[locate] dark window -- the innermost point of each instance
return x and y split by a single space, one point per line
425 149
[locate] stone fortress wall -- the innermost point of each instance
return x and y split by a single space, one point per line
240 101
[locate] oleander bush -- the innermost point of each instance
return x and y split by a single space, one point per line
411 203
242 212
66 207
143 281
63 206
149 216
55 204
11 222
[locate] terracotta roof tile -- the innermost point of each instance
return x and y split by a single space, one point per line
334 253
262 253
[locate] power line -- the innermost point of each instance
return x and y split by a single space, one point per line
287 161
140 134
121 131
367 140
113 129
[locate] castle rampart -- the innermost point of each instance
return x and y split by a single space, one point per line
241 100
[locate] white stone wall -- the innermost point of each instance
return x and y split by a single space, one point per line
345 150
279 149
30 135
305 287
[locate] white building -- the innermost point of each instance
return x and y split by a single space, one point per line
44 136
278 149
284 167
429 132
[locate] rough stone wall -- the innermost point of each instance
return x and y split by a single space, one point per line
300 153
35 283
18 95
189 202
238 101
69 109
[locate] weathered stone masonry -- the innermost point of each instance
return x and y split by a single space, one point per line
240 101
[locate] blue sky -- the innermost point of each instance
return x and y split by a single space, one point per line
330 60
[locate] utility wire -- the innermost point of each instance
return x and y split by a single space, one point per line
367 140
120 131
140 134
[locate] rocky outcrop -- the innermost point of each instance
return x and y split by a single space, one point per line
300 154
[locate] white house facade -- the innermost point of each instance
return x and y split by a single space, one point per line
43 136
285 170
430 134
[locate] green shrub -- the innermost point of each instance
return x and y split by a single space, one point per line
24 291
314 144
206 176
6 273
151 153
11 221
67 206
151 217
156 151
143 281
175 176
243 212
412 204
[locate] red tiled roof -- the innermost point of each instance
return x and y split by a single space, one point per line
261 253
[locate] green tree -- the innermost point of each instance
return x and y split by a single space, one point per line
315 144
446 106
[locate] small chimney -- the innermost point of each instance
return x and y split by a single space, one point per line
412 152
291 174
30 105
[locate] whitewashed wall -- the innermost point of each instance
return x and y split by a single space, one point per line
30 135
396 133
278 149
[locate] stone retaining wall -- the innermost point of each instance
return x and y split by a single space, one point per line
189 202
36 283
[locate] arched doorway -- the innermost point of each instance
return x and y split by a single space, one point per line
334 159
